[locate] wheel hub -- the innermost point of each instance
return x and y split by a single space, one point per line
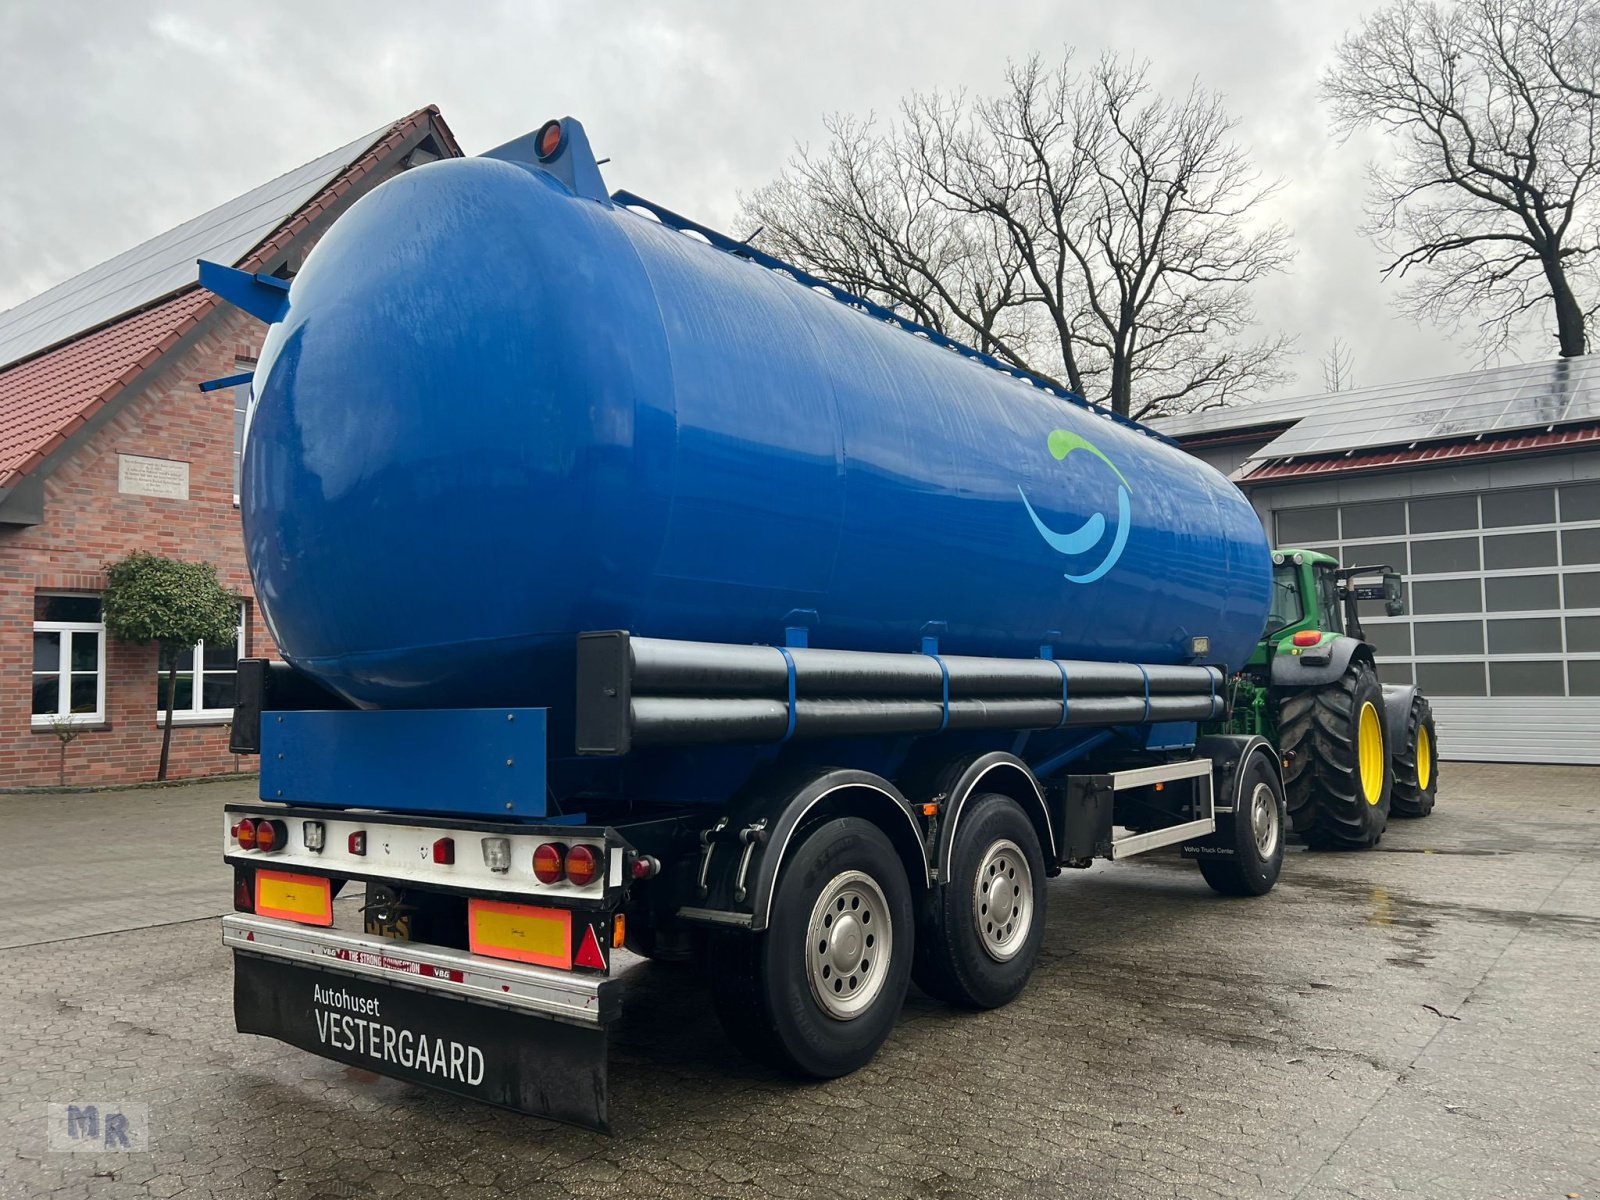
1264 823
849 939
1002 900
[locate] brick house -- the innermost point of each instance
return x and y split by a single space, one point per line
109 445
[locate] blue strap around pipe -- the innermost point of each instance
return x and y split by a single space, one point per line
1062 667
930 647
1146 675
789 659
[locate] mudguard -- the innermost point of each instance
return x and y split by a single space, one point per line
1319 664
1397 698
957 781
744 850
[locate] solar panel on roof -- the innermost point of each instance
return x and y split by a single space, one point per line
166 263
1509 398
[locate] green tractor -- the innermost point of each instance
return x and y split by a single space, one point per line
1355 751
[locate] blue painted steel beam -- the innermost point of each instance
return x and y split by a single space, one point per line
265 297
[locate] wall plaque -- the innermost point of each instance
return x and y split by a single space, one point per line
163 477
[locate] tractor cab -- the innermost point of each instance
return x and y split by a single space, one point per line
1312 593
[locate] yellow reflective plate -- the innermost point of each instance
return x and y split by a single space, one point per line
521 932
307 899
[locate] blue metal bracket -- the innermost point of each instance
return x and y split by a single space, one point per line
265 297
573 162
227 381
742 250
797 626
1049 766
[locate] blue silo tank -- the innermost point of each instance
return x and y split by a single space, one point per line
496 413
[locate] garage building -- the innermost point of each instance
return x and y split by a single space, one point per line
1484 489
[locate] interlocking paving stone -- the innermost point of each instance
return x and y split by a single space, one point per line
1172 1043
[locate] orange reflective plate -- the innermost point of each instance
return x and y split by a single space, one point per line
522 932
307 899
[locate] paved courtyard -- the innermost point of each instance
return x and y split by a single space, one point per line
1422 1020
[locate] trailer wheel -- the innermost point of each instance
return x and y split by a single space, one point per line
819 991
1339 778
979 934
1247 849
1416 764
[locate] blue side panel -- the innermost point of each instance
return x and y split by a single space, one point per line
463 761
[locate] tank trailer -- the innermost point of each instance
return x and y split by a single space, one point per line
638 590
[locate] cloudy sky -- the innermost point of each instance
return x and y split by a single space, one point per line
127 118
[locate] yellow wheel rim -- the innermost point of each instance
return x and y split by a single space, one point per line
1424 757
1370 750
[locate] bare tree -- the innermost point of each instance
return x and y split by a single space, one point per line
1488 207
1338 367
1076 225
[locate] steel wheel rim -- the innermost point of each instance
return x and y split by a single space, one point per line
1264 819
1424 757
1002 900
849 941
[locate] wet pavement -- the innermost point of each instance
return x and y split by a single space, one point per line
1420 1020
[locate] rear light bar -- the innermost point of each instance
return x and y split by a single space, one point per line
500 858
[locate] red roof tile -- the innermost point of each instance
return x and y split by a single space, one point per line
1500 446
46 399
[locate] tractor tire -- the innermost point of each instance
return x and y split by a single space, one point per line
1338 779
1416 764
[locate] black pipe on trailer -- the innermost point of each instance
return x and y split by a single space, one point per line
638 692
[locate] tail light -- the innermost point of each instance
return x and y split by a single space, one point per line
271 835
245 831
582 865
444 851
549 862
357 842
550 140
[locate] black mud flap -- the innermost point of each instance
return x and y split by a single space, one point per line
517 1060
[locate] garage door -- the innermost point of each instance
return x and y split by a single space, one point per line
1503 603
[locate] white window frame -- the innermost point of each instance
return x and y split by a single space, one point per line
64 673
194 715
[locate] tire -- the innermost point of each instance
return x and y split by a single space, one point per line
783 995
1339 778
1247 849
963 956
1416 764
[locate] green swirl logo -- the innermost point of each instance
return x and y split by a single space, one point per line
1087 536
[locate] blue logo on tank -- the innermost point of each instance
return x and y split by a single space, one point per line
1088 535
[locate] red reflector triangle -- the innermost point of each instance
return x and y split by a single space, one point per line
589 953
